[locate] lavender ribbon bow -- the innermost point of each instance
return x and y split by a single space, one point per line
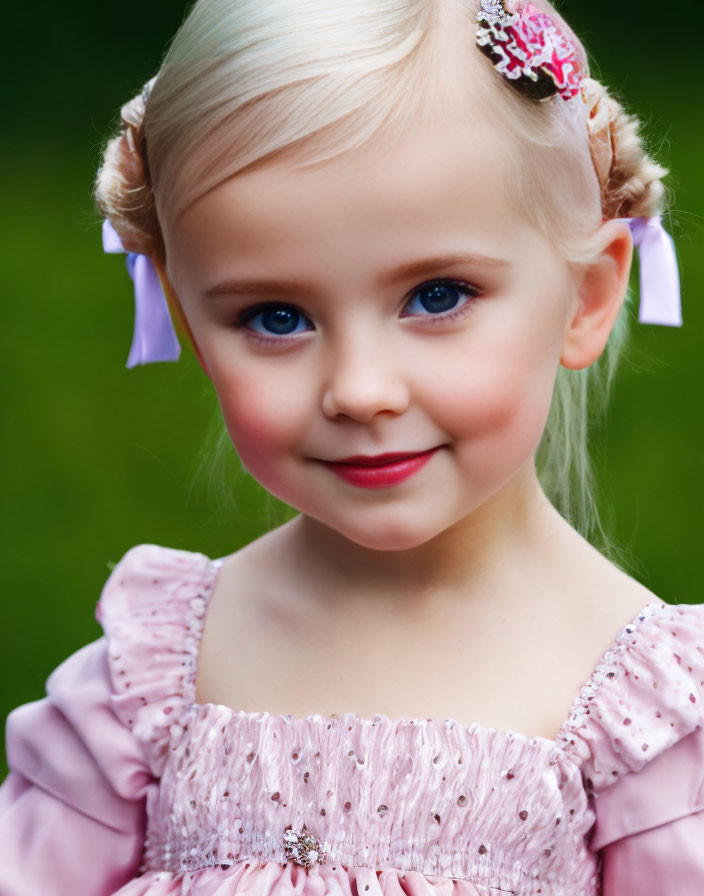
660 301
154 336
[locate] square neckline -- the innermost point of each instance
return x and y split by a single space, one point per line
560 742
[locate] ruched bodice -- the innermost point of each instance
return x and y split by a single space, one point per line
438 798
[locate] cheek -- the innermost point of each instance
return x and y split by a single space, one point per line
499 398
263 417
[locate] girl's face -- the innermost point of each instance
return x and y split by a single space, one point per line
392 301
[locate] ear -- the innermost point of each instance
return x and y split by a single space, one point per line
176 309
600 295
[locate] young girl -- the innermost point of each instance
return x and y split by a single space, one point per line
398 236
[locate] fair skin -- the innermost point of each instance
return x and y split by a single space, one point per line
461 587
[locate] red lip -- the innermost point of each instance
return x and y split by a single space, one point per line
374 460
381 470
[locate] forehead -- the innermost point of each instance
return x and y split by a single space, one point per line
396 195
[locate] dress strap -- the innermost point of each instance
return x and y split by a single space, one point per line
644 697
152 609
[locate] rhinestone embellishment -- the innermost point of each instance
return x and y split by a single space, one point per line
304 848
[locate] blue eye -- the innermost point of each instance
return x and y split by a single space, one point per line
274 320
439 297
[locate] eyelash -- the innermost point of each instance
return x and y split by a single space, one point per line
468 291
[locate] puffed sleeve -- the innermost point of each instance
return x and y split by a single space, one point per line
650 827
639 736
72 809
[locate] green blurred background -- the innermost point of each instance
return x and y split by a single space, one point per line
98 458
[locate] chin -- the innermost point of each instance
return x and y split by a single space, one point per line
386 537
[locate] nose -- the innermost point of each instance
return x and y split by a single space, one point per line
364 378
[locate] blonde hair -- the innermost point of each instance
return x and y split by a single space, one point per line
245 80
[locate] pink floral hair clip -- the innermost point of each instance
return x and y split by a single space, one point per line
529 49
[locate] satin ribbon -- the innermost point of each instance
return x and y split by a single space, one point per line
154 336
155 339
660 299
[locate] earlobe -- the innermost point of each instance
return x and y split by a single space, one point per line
177 311
600 295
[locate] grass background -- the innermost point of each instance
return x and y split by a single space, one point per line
97 458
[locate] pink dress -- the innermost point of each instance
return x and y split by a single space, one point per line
121 783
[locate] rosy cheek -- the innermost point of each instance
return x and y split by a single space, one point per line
251 424
263 423
500 408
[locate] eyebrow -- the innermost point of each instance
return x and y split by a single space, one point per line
254 287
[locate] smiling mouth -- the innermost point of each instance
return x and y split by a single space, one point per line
380 470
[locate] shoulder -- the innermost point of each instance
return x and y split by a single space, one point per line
151 610
645 695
